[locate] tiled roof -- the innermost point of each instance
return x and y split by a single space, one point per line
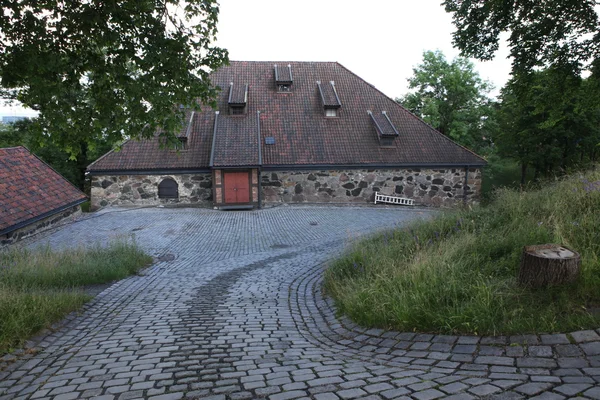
142 155
296 119
236 141
31 190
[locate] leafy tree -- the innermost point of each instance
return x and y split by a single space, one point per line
98 70
452 98
549 120
542 32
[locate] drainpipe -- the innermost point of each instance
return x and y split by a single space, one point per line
465 186
259 163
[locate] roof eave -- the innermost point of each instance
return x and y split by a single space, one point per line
40 217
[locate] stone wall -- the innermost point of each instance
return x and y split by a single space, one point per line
430 187
40 226
143 190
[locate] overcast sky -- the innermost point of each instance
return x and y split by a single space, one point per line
379 40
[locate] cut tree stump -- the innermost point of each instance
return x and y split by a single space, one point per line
548 264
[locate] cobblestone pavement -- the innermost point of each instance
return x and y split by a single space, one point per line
235 311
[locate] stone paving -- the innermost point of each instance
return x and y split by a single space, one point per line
236 312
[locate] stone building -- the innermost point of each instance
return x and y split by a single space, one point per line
293 132
33 196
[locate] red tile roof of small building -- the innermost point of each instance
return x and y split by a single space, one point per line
296 119
31 190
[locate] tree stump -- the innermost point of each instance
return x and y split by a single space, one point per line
548 264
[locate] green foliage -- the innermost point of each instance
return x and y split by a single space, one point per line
22 134
456 273
39 287
550 120
451 97
541 32
101 70
501 173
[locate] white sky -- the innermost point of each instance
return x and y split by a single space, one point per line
379 40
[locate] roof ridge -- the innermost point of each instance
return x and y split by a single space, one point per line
283 61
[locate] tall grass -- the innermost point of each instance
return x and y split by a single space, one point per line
39 287
457 272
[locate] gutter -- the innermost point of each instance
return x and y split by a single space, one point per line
174 171
279 167
41 217
285 167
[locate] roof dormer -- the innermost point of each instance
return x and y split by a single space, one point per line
184 135
329 98
386 131
238 99
283 78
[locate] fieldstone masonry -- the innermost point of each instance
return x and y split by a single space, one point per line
143 189
429 187
432 187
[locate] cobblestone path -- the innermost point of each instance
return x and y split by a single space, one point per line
236 312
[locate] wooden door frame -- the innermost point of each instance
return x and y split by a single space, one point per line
219 187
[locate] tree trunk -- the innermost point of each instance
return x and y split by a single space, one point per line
523 172
548 264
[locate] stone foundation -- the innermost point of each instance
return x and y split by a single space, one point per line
429 187
40 226
143 190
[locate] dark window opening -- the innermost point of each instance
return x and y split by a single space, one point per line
237 110
181 143
283 88
168 189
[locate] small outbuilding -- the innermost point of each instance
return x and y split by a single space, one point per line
33 196
291 132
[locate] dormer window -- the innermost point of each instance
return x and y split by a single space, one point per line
235 110
181 143
386 131
329 98
238 99
283 78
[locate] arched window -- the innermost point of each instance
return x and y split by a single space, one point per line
168 189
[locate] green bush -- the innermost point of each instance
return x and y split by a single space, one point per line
456 273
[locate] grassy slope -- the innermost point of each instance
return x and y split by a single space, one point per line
457 272
38 288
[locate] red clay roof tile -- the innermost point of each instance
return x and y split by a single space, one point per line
296 119
30 189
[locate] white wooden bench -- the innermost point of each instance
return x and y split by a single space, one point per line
382 198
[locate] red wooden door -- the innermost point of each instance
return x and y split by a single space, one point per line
237 187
